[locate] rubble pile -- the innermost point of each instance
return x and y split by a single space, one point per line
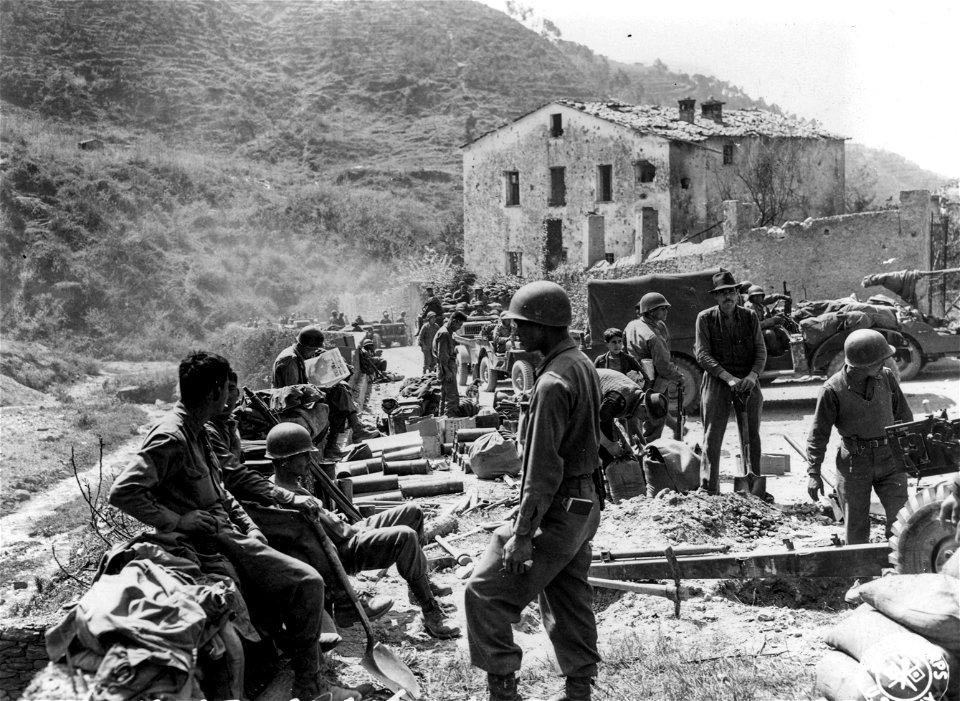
692 518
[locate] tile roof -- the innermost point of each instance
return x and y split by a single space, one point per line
666 122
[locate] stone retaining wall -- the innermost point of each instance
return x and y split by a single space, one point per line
22 654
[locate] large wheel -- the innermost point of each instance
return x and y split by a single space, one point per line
910 368
920 541
488 378
463 375
521 375
690 376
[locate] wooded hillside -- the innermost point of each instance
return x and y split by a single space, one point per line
258 156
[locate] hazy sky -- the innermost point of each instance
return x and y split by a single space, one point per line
882 73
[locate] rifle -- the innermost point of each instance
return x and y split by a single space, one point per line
326 482
788 302
681 414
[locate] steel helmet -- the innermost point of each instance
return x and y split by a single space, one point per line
541 302
288 439
754 290
311 336
865 347
651 301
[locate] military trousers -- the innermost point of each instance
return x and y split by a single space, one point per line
716 400
449 392
278 589
391 537
859 471
494 599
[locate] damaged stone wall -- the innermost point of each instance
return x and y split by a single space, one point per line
22 654
818 258
492 229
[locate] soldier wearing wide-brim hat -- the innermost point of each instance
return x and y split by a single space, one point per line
729 347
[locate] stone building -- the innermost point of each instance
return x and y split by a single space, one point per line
584 182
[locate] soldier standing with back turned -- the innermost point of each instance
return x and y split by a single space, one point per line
545 551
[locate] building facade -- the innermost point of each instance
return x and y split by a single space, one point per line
583 182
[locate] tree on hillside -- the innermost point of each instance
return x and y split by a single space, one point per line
861 190
769 175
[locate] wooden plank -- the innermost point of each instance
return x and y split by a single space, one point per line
849 561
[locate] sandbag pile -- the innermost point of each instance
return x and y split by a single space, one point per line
904 637
819 320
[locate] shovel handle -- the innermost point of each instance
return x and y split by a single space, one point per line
330 550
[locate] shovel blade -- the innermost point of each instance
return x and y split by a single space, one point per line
758 486
742 484
383 665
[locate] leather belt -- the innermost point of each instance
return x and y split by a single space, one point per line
862 443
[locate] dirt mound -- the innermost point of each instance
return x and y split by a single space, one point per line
12 393
693 518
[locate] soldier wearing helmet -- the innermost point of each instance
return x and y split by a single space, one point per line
861 400
175 485
425 338
648 340
445 352
545 550
729 347
757 301
290 369
391 537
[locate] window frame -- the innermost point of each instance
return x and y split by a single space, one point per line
511 182
604 184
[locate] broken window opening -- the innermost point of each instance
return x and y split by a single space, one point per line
727 154
605 183
512 178
609 257
515 263
646 171
685 183
556 125
558 187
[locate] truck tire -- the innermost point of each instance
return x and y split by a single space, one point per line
488 378
521 375
920 541
911 368
690 376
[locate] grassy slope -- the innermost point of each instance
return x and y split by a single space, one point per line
260 155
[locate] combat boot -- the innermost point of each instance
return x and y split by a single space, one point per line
308 683
503 687
436 621
436 590
361 432
374 607
576 689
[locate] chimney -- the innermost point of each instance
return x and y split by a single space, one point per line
687 106
712 109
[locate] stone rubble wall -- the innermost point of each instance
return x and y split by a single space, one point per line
22 654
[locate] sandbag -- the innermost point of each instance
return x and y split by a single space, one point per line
926 604
856 320
860 631
671 464
839 677
818 329
491 456
881 317
625 479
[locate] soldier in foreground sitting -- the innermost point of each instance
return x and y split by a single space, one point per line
174 484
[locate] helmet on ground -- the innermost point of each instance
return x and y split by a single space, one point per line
310 336
541 302
865 347
368 343
287 439
651 301
754 290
